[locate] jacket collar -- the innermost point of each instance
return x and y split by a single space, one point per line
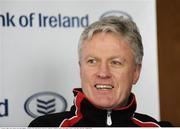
91 113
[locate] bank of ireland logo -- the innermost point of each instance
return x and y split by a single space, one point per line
45 103
116 13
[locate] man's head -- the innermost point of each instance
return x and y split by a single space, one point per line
110 57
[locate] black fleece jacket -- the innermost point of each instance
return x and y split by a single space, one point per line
84 114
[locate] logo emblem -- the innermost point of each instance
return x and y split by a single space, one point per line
44 103
116 13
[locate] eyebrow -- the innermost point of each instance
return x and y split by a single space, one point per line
118 57
111 58
91 57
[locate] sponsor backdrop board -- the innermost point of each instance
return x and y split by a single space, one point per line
38 54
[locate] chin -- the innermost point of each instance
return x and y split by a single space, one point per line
107 107
103 105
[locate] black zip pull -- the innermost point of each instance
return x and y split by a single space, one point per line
109 120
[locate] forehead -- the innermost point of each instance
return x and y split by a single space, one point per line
106 38
106 44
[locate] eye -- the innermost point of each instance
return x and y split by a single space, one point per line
116 63
91 61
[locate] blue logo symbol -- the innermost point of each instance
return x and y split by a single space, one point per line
116 13
46 107
44 103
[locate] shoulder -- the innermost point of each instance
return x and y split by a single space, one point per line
144 117
148 121
50 120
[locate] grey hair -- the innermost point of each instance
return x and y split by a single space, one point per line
120 26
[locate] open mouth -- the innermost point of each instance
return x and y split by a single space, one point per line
104 87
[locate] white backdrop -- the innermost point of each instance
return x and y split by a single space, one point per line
38 54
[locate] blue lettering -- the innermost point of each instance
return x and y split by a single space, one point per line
31 17
7 20
66 21
85 21
23 21
3 20
75 20
53 21
40 20
43 20
4 107
63 21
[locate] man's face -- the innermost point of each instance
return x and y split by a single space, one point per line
107 70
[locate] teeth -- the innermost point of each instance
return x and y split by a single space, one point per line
103 87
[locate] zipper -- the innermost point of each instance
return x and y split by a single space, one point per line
109 120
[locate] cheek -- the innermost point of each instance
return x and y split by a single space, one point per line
86 74
119 74
123 78
123 81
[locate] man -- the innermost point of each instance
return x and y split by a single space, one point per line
110 58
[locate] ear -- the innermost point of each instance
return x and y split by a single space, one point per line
136 73
80 69
79 63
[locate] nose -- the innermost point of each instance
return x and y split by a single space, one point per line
103 71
